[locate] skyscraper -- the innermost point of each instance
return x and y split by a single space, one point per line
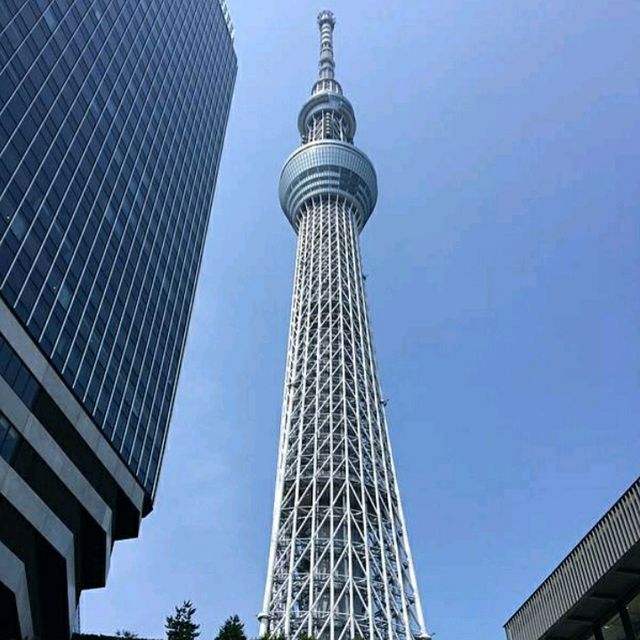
340 564
112 120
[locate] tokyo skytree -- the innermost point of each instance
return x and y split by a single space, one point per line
340 566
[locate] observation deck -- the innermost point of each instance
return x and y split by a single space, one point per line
327 163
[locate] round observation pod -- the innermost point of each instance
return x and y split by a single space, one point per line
326 16
328 167
324 102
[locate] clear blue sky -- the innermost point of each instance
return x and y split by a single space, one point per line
504 271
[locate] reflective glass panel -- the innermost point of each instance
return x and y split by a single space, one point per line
613 629
9 439
634 613
109 150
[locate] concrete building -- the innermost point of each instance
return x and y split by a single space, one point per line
594 593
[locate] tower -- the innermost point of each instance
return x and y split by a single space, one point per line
112 119
340 566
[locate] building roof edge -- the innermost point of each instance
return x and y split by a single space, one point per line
635 487
227 18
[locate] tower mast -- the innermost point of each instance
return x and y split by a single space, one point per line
340 566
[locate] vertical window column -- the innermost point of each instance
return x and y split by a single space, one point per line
625 616
9 439
633 612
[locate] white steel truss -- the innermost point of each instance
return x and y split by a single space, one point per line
340 566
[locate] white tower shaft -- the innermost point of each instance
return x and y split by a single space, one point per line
340 565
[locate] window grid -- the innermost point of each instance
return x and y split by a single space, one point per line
112 115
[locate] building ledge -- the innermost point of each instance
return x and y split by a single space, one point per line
603 568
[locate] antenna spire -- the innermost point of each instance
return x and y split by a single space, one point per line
326 22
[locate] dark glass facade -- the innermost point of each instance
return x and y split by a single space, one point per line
112 119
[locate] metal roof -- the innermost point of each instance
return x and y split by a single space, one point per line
602 569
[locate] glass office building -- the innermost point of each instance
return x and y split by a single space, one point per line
594 593
112 119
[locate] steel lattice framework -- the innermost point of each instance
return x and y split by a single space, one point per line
340 564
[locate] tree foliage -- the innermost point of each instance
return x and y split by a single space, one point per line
180 626
232 629
304 636
268 636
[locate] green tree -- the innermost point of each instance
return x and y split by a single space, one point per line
125 634
232 629
180 626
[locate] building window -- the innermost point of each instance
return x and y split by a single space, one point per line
634 615
9 439
613 629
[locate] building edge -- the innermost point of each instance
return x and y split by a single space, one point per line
156 481
601 570
65 494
